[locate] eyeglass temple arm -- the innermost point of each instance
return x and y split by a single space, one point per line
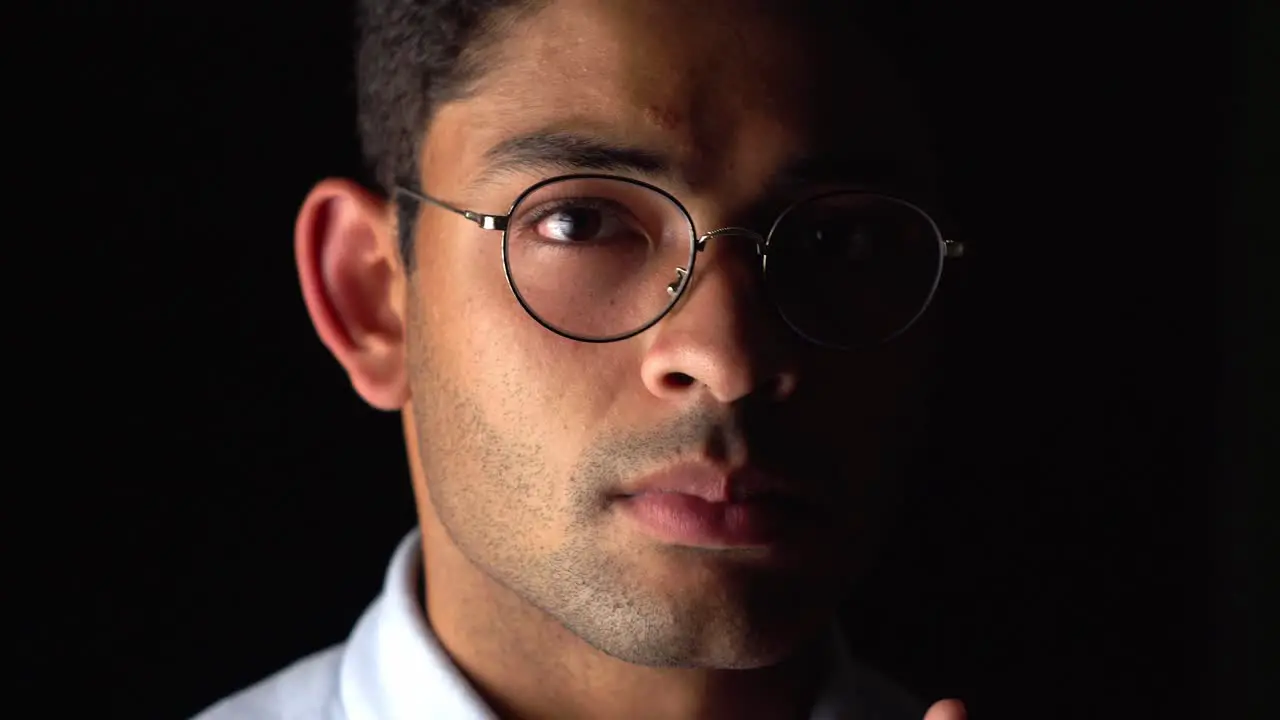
952 249
488 222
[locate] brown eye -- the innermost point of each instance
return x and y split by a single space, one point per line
580 225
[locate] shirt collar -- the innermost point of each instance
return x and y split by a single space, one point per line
394 667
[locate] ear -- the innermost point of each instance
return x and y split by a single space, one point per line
353 285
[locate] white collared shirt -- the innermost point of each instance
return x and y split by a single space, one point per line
393 668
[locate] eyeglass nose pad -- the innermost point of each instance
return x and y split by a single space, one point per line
678 284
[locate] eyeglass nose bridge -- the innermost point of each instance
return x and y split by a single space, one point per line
755 237
682 274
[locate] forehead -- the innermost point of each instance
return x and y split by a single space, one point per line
726 89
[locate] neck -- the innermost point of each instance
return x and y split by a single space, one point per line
527 666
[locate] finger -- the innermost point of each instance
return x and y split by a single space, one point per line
947 710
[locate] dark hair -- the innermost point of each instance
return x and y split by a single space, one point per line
414 55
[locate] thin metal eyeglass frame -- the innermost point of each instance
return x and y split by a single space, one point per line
948 249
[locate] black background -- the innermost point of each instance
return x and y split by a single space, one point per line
213 501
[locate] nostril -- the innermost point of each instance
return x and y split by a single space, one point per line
679 380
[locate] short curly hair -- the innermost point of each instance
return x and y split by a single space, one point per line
412 56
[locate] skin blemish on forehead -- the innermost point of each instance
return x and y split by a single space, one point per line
664 118
685 138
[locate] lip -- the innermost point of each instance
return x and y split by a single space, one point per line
711 483
702 505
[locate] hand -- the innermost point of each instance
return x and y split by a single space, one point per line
947 710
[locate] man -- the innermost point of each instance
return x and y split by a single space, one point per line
640 283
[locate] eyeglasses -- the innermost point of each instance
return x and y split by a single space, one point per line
598 258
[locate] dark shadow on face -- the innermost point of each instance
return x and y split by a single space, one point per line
524 435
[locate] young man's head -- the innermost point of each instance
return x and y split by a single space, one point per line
675 445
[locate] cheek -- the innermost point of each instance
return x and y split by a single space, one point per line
573 389
529 382
469 311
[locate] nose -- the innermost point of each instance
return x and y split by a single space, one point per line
723 338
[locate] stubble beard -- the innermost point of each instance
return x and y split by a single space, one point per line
496 498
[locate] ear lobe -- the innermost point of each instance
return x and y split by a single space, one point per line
353 286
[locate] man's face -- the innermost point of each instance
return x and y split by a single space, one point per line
530 442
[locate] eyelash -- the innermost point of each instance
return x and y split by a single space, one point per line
532 217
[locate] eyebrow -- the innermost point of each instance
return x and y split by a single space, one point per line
549 151
557 151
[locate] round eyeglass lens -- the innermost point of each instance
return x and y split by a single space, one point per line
596 258
853 270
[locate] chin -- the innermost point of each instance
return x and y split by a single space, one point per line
706 619
726 644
